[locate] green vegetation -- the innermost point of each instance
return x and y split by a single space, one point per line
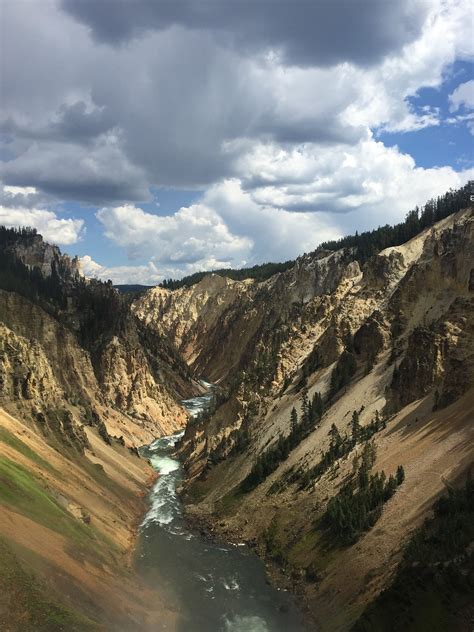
18 445
22 492
343 371
311 363
433 587
15 276
103 310
338 447
373 241
133 288
358 505
28 606
268 461
258 272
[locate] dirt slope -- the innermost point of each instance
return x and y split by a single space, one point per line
403 323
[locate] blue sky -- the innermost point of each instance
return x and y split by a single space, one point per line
444 144
158 144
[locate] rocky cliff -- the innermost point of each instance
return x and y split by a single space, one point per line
82 384
386 340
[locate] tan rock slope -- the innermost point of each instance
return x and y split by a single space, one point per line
403 320
81 386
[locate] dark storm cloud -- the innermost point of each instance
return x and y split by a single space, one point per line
305 32
185 96
98 174
71 123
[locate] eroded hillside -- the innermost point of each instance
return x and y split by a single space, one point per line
82 384
376 352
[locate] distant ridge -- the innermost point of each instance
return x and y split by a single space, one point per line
132 288
366 244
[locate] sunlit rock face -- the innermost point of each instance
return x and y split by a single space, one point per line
404 317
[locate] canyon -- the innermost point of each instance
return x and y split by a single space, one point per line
314 367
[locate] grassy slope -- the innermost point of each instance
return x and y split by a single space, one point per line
26 603
66 528
23 492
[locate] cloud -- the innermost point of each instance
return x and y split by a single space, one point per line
297 201
54 229
303 33
12 191
78 122
141 275
225 229
463 95
177 106
197 238
193 234
20 206
358 187
74 172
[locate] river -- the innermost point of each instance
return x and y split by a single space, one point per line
215 586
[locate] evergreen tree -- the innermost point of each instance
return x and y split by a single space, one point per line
400 474
305 418
317 405
355 427
293 420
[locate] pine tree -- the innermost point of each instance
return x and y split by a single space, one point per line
304 407
318 408
400 474
355 427
293 420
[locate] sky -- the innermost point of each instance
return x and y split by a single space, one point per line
155 139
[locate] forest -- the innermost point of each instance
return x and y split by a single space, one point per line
358 505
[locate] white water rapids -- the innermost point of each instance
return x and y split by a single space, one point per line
217 587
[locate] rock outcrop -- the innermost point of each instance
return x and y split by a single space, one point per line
82 385
389 338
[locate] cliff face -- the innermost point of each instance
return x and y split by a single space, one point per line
98 351
82 384
42 366
390 338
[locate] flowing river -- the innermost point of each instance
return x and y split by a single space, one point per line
216 587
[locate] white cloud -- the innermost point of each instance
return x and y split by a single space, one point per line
377 183
192 234
54 229
141 275
383 91
226 229
463 95
23 191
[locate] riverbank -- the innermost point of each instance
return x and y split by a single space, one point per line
219 586
215 529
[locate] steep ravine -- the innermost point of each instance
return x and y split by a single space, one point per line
81 387
214 586
383 349
403 322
